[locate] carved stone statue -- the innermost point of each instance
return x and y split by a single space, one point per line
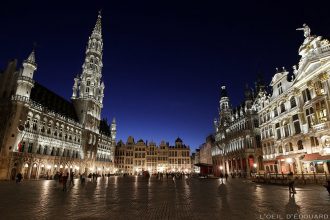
306 29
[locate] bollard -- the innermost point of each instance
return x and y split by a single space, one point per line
314 176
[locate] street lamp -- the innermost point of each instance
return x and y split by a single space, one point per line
221 168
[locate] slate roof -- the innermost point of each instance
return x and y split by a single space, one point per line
53 102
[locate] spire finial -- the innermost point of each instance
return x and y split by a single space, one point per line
98 25
31 58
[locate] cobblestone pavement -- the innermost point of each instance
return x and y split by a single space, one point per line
139 198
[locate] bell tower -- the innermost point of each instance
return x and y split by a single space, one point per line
88 89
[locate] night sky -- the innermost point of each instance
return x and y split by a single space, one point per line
164 61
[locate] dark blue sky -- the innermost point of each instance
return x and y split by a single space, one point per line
164 61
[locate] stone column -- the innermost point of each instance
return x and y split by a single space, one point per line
298 165
247 167
326 168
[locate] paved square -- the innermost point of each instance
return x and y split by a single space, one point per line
140 198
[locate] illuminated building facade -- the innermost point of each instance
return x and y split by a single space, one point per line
135 157
294 118
43 133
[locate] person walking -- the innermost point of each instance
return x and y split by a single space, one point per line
64 180
291 183
71 179
226 176
327 186
221 177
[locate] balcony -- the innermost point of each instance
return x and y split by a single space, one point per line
20 98
321 126
25 78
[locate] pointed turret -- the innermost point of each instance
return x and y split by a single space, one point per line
225 109
25 80
113 129
31 59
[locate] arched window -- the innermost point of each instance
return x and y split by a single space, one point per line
293 102
300 145
45 150
282 107
290 146
275 112
280 149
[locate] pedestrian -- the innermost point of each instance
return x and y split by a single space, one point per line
291 183
71 178
64 180
221 177
226 176
327 186
19 177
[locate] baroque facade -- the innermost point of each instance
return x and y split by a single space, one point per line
237 146
42 133
294 117
135 157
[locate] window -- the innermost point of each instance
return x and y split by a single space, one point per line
296 124
300 145
290 146
275 112
270 131
279 88
287 130
21 148
39 149
310 117
319 90
293 102
278 130
88 83
280 149
314 141
30 148
87 90
306 95
45 150
321 111
282 107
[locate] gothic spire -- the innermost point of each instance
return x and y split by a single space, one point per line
97 31
31 59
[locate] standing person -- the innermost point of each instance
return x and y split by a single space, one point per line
71 178
327 186
291 183
19 177
226 176
64 180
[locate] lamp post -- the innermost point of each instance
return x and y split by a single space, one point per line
255 167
